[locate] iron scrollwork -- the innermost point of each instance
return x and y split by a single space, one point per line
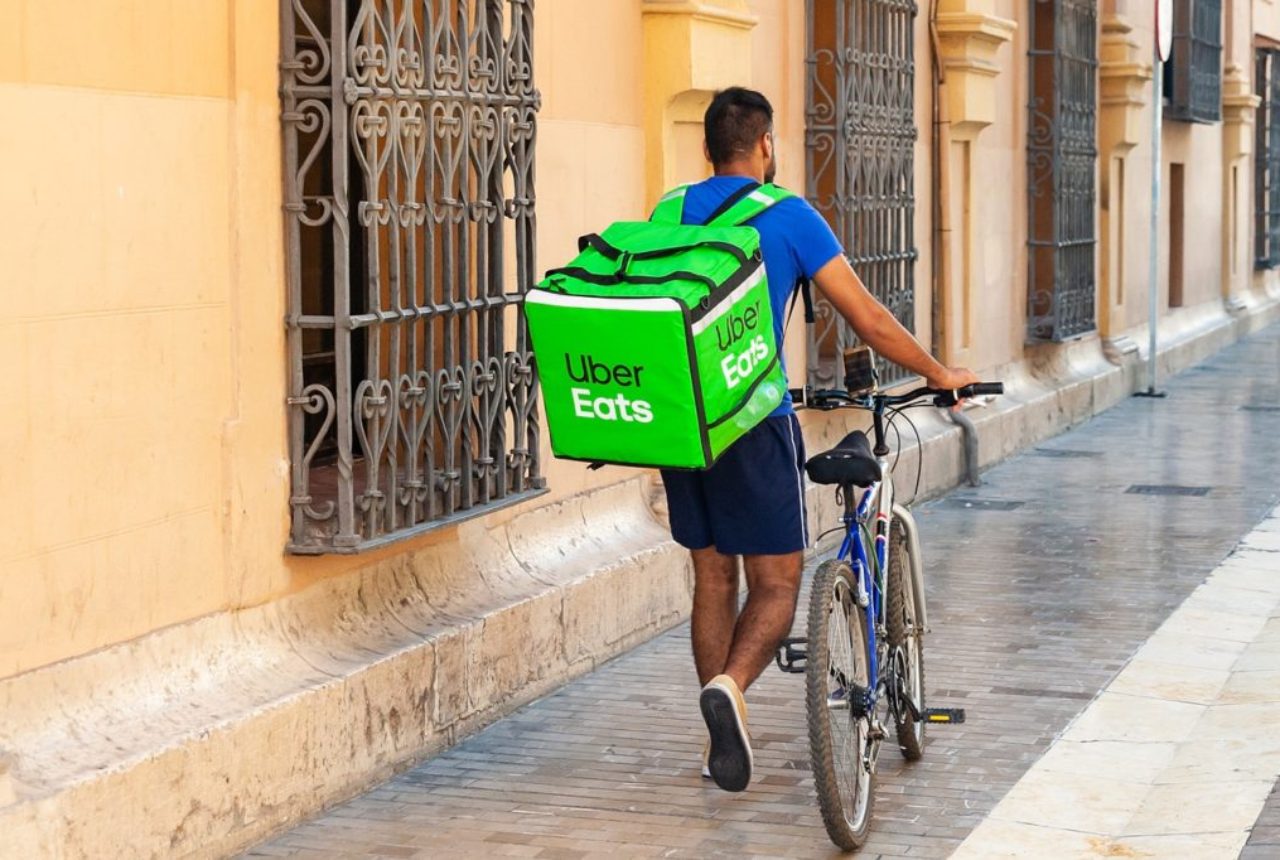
409 133
1267 159
1194 71
1061 156
860 137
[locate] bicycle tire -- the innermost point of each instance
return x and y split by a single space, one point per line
848 821
902 631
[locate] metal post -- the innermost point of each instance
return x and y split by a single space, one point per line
1157 128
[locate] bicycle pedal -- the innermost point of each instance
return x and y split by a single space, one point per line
944 715
792 655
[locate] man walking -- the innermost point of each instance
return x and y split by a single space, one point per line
751 502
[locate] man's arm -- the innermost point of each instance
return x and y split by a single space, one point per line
878 328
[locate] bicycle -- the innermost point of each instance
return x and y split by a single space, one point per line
863 656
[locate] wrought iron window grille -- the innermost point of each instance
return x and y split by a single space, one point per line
409 130
1061 155
1193 74
1266 225
860 136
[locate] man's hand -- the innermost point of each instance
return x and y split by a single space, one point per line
953 378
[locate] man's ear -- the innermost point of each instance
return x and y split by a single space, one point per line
706 152
767 143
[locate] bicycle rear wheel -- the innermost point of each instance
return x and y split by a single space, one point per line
903 632
837 673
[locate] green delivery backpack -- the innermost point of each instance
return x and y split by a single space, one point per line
655 345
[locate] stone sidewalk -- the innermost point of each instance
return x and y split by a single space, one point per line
1043 583
1177 756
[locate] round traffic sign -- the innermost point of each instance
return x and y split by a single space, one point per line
1164 29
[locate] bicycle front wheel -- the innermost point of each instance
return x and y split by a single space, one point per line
837 674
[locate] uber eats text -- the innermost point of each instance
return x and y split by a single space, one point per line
611 407
738 366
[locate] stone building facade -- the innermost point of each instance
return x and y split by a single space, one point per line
283 515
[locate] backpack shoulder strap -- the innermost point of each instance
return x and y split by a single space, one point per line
670 208
751 205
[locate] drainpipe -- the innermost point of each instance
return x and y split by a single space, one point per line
941 152
970 436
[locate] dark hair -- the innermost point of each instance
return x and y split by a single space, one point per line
736 118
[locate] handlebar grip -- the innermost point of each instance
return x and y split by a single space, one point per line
978 389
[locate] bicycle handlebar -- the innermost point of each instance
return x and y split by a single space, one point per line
827 399
979 389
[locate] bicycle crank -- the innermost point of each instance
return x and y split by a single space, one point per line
901 703
933 716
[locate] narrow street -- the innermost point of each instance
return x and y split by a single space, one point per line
1043 584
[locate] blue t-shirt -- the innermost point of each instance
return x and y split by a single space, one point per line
794 240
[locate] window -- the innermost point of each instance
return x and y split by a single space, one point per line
1061 155
1266 196
1193 74
408 134
860 136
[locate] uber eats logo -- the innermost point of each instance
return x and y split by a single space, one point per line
611 407
730 332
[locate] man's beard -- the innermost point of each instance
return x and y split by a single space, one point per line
771 170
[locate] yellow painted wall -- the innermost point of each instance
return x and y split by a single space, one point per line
148 476
1266 19
1199 148
120 263
146 470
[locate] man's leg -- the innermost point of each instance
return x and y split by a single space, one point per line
715 610
773 585
755 506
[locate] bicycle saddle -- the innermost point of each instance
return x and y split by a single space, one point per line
849 462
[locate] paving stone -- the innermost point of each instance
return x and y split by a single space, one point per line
1033 611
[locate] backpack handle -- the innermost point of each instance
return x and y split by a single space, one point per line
611 252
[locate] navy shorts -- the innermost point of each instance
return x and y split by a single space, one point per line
751 502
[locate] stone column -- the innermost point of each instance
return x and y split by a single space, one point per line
691 49
1239 109
1123 78
969 36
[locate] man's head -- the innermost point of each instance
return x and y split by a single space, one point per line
739 133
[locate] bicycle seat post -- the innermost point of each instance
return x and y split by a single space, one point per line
849 493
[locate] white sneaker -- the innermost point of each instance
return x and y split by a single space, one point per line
725 712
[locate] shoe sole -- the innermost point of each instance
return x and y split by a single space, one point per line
730 761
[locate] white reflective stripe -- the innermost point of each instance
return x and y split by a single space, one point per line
756 196
546 297
723 308
795 458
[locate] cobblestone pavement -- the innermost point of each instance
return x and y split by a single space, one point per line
1035 605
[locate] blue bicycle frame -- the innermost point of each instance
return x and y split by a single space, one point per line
853 551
